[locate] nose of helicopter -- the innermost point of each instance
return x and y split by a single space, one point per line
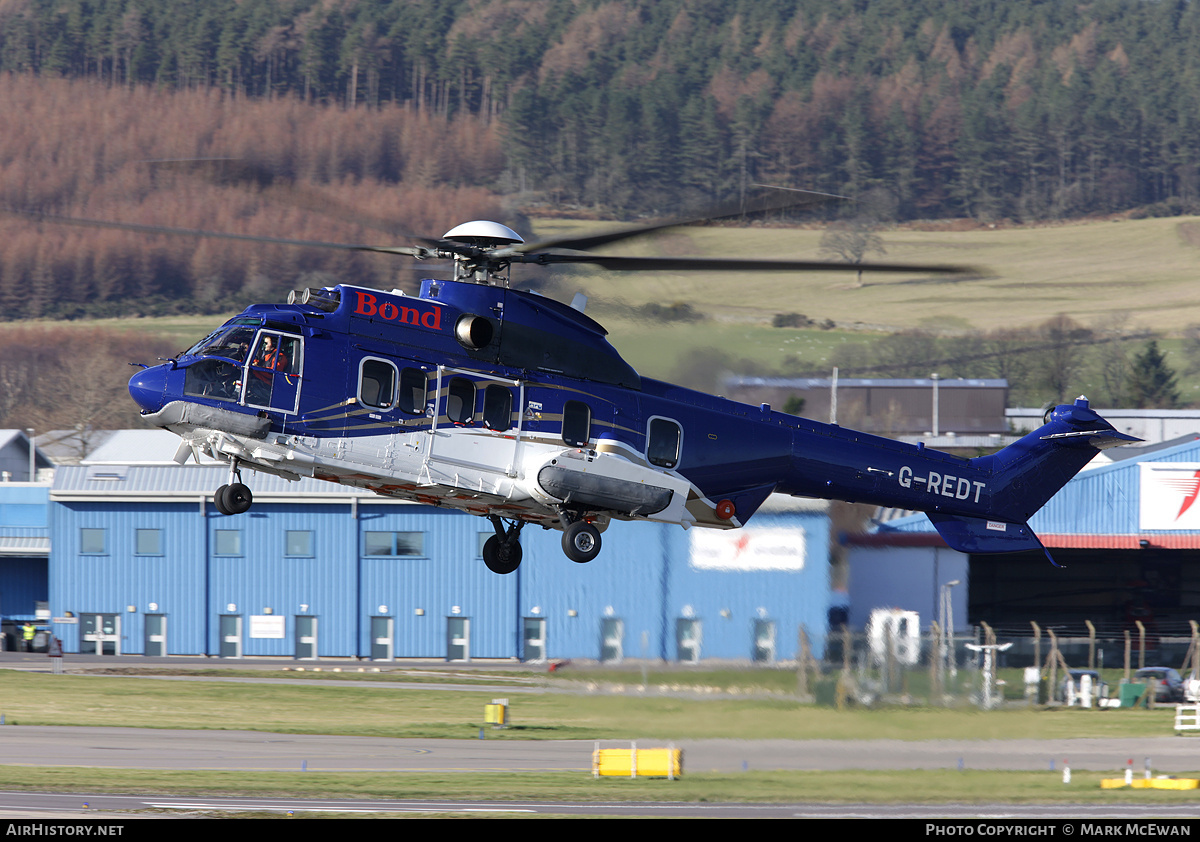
147 387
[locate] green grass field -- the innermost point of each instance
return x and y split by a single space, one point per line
938 786
366 709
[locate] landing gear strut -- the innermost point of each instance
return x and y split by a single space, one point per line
502 552
234 498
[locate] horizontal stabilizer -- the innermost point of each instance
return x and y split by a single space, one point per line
980 535
1099 439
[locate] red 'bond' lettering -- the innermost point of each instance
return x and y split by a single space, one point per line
368 305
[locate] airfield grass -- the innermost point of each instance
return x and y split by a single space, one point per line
936 786
365 709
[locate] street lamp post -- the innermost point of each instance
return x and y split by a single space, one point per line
947 620
934 377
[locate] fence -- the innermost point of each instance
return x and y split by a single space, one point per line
986 667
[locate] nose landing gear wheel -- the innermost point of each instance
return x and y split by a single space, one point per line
233 499
219 500
581 542
238 498
501 556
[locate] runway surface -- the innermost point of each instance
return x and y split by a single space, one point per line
146 748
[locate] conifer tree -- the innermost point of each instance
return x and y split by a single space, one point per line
1152 382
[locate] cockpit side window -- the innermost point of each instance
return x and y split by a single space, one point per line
216 379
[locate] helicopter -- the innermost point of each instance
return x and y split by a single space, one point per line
478 396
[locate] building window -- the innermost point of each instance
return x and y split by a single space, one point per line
298 542
91 541
149 542
394 543
227 542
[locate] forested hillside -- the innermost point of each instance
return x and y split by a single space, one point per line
85 149
988 108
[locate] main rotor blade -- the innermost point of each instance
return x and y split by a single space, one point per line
721 264
727 210
413 251
284 190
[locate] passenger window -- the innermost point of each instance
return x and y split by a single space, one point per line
413 382
377 384
460 401
577 423
662 447
497 408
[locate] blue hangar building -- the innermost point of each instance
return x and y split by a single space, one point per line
141 562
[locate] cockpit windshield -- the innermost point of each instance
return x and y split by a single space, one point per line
232 343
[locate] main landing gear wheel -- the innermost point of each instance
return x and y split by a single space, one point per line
233 499
501 556
581 542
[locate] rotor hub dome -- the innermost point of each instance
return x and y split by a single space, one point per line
482 232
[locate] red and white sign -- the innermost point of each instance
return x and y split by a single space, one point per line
1169 493
748 548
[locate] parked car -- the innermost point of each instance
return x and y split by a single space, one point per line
1099 685
1170 683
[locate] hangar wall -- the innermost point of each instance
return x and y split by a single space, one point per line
141 562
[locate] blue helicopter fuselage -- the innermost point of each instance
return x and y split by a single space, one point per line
508 404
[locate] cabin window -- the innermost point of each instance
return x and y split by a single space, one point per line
460 401
577 423
377 384
497 407
413 382
662 447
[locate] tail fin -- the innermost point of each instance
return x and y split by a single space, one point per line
1026 474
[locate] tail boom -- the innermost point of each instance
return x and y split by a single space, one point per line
977 505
